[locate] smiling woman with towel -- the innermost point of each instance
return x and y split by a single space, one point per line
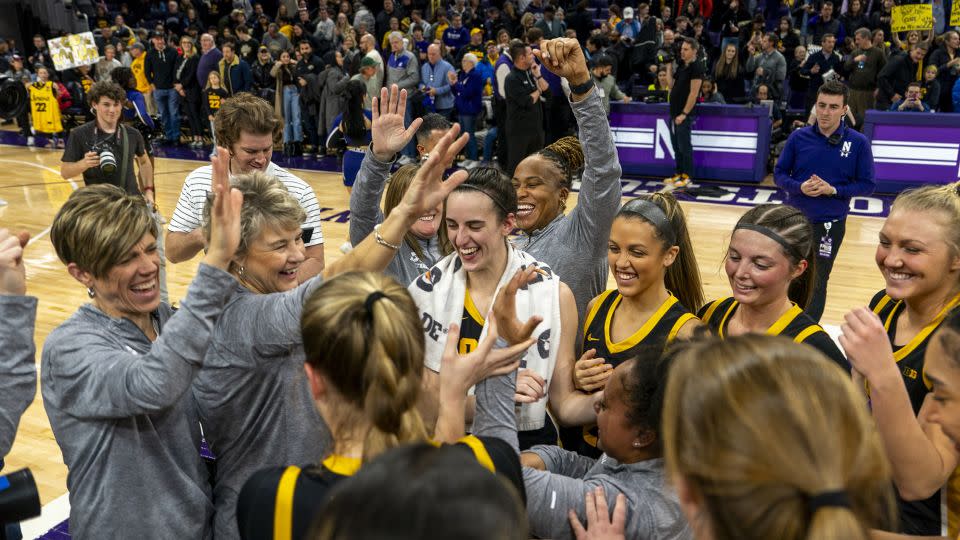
463 286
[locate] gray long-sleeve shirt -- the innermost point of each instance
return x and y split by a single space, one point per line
403 70
573 244
365 214
774 71
653 510
253 395
127 426
18 370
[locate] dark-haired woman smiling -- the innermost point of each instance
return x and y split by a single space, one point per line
571 244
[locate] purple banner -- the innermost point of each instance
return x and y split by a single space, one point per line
913 149
730 142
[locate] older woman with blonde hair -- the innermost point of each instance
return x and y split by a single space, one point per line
766 438
116 373
252 393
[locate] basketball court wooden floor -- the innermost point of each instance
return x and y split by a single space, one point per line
33 190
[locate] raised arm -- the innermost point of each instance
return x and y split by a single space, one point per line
88 375
600 190
921 455
427 190
389 137
18 371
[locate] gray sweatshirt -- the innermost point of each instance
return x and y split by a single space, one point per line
127 426
253 395
653 511
403 71
18 369
365 213
573 245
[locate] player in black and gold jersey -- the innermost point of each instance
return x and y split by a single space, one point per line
364 345
652 260
890 341
768 265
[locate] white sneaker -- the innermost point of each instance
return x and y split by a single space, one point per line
31 141
347 247
471 164
404 160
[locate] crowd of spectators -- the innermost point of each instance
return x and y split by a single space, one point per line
455 60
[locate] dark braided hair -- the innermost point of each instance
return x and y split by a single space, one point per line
567 155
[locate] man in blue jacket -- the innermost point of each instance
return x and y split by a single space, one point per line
821 168
235 73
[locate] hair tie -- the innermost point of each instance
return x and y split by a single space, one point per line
652 212
372 299
826 499
771 234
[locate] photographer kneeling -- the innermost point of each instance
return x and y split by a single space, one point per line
103 151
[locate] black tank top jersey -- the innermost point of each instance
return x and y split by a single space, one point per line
304 494
794 324
657 332
916 517
471 326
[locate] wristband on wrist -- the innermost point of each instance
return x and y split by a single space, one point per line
582 88
381 241
149 188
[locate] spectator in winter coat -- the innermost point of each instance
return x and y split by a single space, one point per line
235 73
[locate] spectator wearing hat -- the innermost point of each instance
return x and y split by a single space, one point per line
137 65
264 83
160 68
367 73
456 37
475 47
551 26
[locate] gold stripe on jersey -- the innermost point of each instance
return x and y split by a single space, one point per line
342 465
807 333
641 332
774 330
684 319
283 508
471 326
479 451
597 303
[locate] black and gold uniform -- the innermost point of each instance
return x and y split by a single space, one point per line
794 324
471 327
280 503
916 517
657 332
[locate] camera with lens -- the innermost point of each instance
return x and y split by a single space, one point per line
108 161
14 99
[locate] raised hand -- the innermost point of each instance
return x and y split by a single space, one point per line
564 57
458 373
591 373
13 273
224 213
600 525
865 341
505 308
386 128
428 188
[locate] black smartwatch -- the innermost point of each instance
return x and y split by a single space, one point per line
581 89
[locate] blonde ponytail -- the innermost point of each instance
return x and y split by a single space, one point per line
362 331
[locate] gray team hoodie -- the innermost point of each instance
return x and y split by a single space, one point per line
18 369
653 511
365 214
124 420
253 395
573 244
